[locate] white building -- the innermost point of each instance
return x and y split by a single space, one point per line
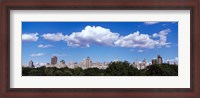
88 62
99 65
140 65
31 64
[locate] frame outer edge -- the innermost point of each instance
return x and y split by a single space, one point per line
1 31
198 30
3 49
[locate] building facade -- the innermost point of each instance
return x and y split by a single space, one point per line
154 61
88 62
159 60
31 64
54 60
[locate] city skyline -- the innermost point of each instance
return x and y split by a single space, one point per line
89 68
88 63
54 60
102 41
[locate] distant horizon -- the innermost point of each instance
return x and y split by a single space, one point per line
101 41
99 61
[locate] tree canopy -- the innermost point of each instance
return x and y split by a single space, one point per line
118 68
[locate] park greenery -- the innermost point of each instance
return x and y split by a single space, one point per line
114 69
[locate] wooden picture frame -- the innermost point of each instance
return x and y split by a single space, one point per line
192 5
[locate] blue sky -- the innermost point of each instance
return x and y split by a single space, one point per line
101 41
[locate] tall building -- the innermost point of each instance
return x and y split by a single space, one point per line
144 62
54 60
88 62
62 62
159 60
135 63
31 64
154 61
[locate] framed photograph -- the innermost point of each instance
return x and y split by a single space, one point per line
101 48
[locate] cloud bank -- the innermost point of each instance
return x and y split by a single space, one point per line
45 46
97 35
136 40
140 51
53 37
92 35
30 37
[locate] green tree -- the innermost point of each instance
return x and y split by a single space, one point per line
154 70
169 70
25 71
58 73
114 69
49 71
36 72
67 72
161 70
120 69
92 72
78 71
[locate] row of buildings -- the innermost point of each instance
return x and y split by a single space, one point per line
144 63
87 63
157 61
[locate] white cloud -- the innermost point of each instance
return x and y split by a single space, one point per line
98 35
143 40
155 35
136 40
45 46
36 55
140 51
168 46
30 37
92 35
54 37
115 60
163 37
150 23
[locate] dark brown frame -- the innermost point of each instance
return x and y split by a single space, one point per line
7 5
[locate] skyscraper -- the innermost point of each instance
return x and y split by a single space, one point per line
159 60
88 62
54 60
154 61
31 64
144 62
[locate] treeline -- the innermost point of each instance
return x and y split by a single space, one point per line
114 69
